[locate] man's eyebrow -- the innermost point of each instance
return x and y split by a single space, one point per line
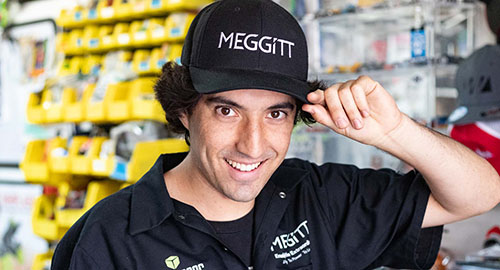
222 100
283 105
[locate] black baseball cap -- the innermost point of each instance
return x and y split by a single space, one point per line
246 44
478 85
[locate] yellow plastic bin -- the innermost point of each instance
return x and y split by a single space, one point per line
58 157
78 151
70 66
95 107
139 33
82 163
139 8
90 37
42 261
144 104
55 102
34 111
121 36
72 18
122 9
106 38
92 15
96 191
103 164
91 65
74 111
157 31
141 62
118 109
177 25
35 164
64 18
75 42
105 11
43 219
144 156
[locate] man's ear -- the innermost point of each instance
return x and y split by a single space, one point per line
184 120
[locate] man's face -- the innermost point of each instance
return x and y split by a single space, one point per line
238 139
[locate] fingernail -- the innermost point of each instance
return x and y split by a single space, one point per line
341 123
357 124
365 113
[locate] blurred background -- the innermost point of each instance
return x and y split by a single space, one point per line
78 119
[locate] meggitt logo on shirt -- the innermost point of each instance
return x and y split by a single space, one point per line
254 42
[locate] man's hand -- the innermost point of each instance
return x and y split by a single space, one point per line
360 109
462 183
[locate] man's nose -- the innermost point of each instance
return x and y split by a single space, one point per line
251 139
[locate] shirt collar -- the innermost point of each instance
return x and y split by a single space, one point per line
151 204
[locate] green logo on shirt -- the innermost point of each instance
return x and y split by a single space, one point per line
172 262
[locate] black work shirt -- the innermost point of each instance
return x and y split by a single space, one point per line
306 217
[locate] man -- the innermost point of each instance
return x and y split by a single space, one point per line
233 202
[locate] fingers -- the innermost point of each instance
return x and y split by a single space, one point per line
342 105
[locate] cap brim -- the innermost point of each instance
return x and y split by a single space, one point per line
209 81
470 114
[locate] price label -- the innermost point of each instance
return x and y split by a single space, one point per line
124 38
144 65
158 32
155 3
98 165
140 35
107 12
93 43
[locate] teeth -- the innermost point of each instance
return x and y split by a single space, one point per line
243 167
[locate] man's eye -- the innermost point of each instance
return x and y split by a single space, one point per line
277 114
225 111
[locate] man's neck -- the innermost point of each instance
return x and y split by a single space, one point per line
185 183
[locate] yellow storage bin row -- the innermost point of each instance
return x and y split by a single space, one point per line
150 62
96 190
107 11
35 163
123 101
54 213
88 65
43 219
140 33
143 158
50 162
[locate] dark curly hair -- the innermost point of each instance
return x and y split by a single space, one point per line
176 94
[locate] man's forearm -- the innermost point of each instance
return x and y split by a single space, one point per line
462 182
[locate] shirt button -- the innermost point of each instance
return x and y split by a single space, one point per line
182 217
282 195
225 248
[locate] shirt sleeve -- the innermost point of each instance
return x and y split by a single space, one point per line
377 217
65 248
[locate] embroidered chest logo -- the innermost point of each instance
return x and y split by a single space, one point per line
290 247
173 262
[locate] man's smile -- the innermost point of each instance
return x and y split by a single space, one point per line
242 166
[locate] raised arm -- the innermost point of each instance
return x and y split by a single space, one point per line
462 183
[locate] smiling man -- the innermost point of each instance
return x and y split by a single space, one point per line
234 202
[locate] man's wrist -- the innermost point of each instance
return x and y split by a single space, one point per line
398 141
